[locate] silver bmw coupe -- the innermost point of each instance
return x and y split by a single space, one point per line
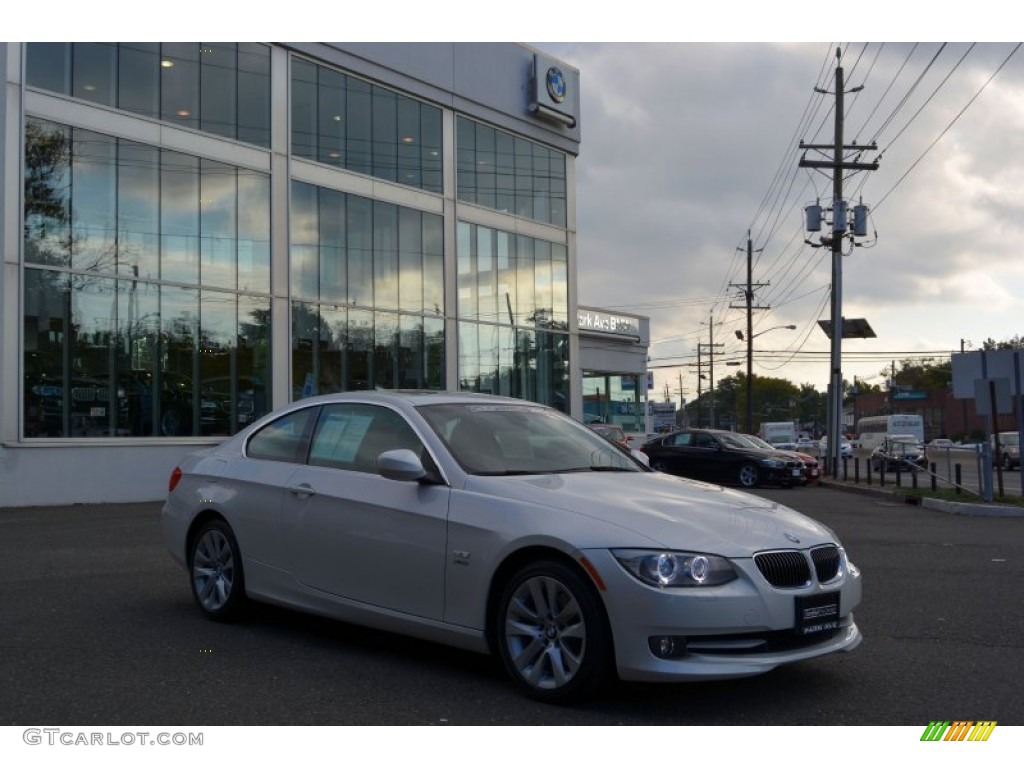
505 527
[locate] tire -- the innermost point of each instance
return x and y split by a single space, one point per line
1007 463
658 466
215 571
749 475
552 634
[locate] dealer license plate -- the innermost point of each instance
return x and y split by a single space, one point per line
817 614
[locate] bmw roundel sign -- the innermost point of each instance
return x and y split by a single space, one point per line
556 84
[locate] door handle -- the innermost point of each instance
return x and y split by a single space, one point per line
302 491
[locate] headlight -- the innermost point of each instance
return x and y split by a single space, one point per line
675 569
773 462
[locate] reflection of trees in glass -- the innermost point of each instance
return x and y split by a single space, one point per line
47 193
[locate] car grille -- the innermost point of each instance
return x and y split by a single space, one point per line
784 569
789 569
826 563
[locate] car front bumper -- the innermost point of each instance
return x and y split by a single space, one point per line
739 629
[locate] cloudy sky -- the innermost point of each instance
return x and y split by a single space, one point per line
688 146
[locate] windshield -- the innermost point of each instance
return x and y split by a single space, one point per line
499 439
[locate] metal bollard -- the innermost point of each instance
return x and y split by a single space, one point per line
958 478
934 478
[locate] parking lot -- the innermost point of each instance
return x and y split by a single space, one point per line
99 629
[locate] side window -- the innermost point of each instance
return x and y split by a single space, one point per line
681 440
284 439
353 436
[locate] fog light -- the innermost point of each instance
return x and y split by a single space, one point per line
667 646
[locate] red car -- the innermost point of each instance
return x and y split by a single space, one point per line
611 432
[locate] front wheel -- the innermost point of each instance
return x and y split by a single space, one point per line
552 634
658 466
215 565
749 475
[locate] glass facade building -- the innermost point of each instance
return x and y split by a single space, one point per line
196 233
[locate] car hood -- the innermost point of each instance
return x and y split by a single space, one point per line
669 511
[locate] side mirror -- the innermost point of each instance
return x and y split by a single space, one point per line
401 464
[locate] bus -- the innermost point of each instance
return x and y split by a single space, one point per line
872 429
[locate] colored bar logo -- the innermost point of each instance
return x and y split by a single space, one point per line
958 730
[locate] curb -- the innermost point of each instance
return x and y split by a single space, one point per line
941 505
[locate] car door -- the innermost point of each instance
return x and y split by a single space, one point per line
356 534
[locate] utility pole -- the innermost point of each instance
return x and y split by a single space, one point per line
748 293
838 164
710 346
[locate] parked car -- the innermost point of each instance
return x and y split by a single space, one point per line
723 457
903 451
812 472
845 448
505 527
807 445
612 432
1009 450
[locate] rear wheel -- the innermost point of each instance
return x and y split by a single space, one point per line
552 634
749 475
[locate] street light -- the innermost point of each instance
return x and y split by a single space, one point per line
750 369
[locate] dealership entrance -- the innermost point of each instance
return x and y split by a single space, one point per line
613 359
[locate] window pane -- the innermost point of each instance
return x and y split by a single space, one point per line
385 139
385 255
47 308
254 93
505 181
465 143
218 219
179 329
304 100
179 84
138 78
252 393
253 231
305 269
409 142
433 264
559 286
179 214
332 247
138 322
466 276
433 330
432 147
218 381
410 259
385 366
331 349
411 367
486 180
218 70
94 76
138 210
360 349
305 346
331 117
91 364
542 271
47 193
526 282
358 126
359 232
49 66
94 201
487 283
